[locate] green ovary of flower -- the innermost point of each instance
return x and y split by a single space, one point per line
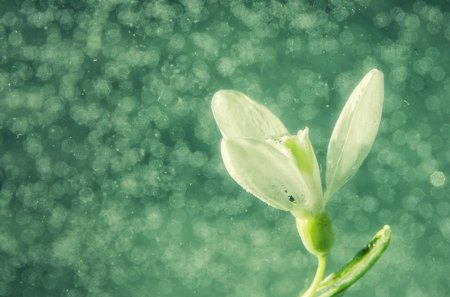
316 233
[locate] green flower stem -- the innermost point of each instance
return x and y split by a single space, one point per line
321 264
337 282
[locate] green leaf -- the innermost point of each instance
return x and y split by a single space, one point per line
337 282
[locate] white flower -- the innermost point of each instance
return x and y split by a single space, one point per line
281 169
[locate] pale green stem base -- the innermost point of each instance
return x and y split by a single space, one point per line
321 264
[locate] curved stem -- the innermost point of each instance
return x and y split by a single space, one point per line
321 264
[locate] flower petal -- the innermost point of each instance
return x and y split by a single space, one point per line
267 173
238 116
355 131
302 152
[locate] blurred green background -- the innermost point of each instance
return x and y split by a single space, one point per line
111 181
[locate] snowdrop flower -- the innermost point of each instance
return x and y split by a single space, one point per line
282 170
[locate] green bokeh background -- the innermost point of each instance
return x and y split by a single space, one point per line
111 181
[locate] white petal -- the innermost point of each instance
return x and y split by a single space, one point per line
238 116
266 173
355 131
313 178
301 151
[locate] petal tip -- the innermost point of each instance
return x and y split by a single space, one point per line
375 74
223 98
217 98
